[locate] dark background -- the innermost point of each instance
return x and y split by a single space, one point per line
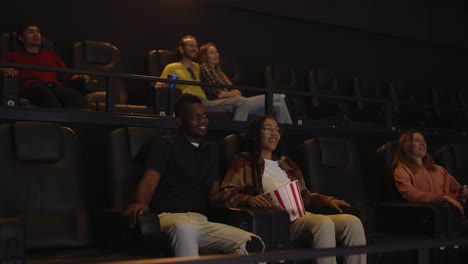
387 39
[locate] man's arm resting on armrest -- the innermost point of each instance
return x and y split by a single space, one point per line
144 193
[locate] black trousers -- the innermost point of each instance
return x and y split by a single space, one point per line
53 96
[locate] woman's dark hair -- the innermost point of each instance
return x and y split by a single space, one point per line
405 143
253 146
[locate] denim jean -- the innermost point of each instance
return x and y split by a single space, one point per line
242 107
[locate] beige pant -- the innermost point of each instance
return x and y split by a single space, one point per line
322 231
190 231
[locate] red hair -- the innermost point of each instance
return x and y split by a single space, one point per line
402 156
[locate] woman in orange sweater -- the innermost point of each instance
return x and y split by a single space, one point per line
419 179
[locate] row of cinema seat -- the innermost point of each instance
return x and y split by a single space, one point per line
103 57
341 99
315 96
42 194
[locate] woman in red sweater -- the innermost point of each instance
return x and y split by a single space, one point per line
419 179
42 88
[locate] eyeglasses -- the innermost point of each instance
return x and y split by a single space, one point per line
270 129
198 117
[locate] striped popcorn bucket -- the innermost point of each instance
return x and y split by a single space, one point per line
288 197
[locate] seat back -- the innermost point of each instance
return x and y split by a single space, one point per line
367 88
41 183
9 42
127 151
234 144
325 82
387 188
283 77
331 167
448 110
412 103
101 57
9 84
232 70
454 158
230 146
156 60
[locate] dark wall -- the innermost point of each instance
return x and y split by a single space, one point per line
383 38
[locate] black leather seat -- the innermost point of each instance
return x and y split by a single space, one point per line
163 98
10 43
372 113
326 83
232 69
127 152
454 158
332 166
413 104
41 184
283 77
9 84
156 60
104 57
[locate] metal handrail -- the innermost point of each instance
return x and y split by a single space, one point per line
113 76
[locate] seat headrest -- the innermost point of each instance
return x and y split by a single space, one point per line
140 139
37 141
9 43
97 52
166 56
284 75
459 151
334 152
326 80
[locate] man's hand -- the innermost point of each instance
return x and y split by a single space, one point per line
134 210
454 202
83 77
259 201
9 71
161 85
336 203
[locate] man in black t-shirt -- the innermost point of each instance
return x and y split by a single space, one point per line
181 180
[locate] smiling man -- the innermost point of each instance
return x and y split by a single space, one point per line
181 179
186 69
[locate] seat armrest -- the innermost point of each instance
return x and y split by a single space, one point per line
164 100
148 225
12 240
113 229
86 86
9 90
272 225
435 220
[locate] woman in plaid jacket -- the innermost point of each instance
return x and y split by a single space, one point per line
231 100
259 171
